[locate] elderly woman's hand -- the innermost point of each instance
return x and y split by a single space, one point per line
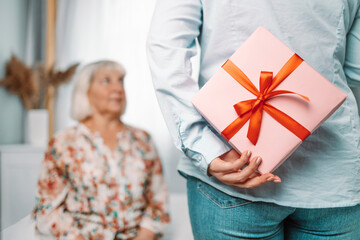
79 237
229 169
145 234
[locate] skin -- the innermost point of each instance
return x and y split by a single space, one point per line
107 100
145 234
229 169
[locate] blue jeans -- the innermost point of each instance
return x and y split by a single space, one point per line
215 216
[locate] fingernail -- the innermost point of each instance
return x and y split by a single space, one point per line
258 160
277 180
248 153
270 179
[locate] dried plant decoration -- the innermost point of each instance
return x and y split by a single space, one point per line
20 80
32 85
52 79
56 78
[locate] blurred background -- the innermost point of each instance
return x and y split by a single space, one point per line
48 37
52 36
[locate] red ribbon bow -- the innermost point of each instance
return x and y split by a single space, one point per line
253 109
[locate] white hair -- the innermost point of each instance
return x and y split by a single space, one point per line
80 108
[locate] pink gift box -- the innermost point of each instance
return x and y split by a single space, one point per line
264 52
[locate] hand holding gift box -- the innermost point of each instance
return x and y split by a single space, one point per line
270 117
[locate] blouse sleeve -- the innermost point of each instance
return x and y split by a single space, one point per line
51 192
156 215
50 212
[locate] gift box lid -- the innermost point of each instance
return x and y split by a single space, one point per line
262 51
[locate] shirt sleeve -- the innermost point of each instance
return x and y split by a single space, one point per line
171 44
156 214
352 59
50 213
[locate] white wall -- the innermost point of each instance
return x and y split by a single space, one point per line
12 41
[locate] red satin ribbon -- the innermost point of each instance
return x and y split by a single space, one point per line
253 109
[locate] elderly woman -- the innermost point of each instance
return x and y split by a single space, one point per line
101 179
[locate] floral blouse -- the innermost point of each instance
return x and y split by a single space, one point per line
87 189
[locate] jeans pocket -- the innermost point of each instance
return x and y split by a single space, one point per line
220 198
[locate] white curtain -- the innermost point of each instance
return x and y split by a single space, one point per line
35 32
90 30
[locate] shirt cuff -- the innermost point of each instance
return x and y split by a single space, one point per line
207 147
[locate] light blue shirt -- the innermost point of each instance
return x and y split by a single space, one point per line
325 170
